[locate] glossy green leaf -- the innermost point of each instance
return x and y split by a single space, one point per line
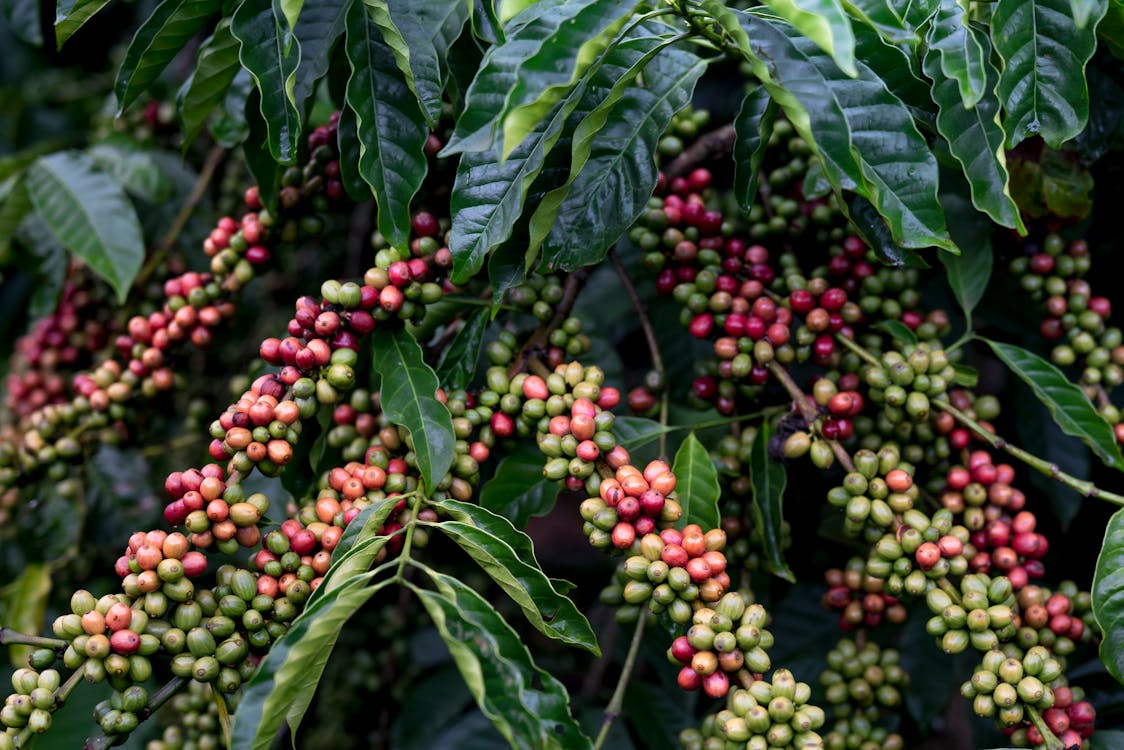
697 484
133 166
613 188
1085 11
894 21
900 332
15 204
290 10
1067 185
159 39
1108 596
357 548
826 23
1068 404
898 65
752 126
71 15
409 389
217 64
518 491
865 135
272 61
391 127
23 20
769 478
459 359
552 614
974 136
229 127
319 26
282 688
585 29
872 228
255 150
23 606
966 376
468 513
485 23
957 47
347 136
528 706
636 432
1042 84
969 272
88 212
429 29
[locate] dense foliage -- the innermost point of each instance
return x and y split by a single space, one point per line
561 374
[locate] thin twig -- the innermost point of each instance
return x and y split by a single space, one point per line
616 703
538 340
715 144
14 637
808 411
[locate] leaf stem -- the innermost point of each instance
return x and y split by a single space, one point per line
616 703
854 347
1048 737
808 411
14 637
1086 488
404 556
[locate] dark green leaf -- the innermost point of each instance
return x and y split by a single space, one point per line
431 704
1042 84
614 186
157 42
468 513
70 15
1066 185
391 127
46 259
318 27
973 135
868 222
255 150
485 23
962 58
528 706
752 126
272 60
23 19
769 479
429 30
635 432
897 65
1108 596
825 22
89 214
901 333
518 491
886 18
970 271
132 166
348 138
357 549
229 126
458 361
286 679
15 204
1039 435
1068 404
552 614
217 65
508 264
409 390
865 135
697 485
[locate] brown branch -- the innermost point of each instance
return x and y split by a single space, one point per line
716 143
538 340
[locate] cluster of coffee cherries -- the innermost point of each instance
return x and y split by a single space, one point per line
56 345
861 598
859 681
879 489
1003 685
198 723
905 383
1071 719
771 713
683 130
31 702
727 642
1058 620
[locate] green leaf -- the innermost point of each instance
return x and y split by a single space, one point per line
459 359
825 22
432 703
898 65
1066 185
518 491
1042 85
23 606
391 127
959 50
969 272
320 24
23 20
697 485
290 10
159 39
229 127
974 136
15 204
613 188
1085 11
348 138
408 399
900 332
865 135
552 614
217 65
585 29
965 376
870 225
71 15
282 688
523 545
46 259
752 126
636 432
88 212
429 29
255 150
272 60
1039 435
768 478
357 549
528 706
884 17
1108 596
132 166
1068 404
485 23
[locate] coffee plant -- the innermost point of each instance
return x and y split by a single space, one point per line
561 374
